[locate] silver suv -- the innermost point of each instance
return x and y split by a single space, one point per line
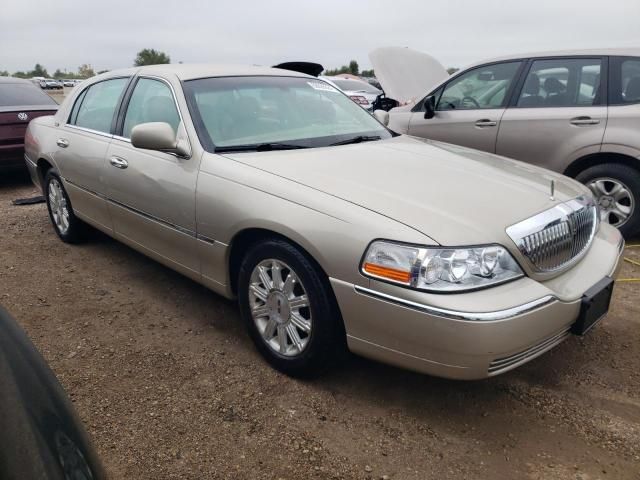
577 113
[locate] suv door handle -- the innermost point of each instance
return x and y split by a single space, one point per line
62 142
118 162
584 121
485 122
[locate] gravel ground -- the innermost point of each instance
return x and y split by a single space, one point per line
169 385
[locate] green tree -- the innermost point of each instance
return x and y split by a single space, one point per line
21 74
149 56
353 68
368 73
85 71
38 71
4 73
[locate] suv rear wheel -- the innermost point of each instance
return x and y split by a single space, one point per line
616 187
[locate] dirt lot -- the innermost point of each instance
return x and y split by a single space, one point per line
169 385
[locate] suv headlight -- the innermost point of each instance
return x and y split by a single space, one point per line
440 269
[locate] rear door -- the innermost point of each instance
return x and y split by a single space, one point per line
151 193
82 146
469 107
558 114
623 124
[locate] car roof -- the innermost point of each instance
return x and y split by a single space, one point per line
622 52
193 71
14 80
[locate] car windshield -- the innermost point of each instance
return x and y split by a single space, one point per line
288 111
355 85
23 94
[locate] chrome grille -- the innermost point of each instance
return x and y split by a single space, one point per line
557 237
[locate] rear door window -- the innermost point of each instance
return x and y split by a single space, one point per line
564 82
22 95
625 80
95 108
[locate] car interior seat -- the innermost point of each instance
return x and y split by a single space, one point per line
632 90
556 92
161 109
531 92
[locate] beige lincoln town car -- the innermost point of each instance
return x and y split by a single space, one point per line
333 233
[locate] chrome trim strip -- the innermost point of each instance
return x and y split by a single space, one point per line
89 130
504 364
28 160
178 228
457 315
148 216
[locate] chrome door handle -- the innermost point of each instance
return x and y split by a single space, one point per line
118 162
584 121
63 142
485 122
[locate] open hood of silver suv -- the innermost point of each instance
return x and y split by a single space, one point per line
406 75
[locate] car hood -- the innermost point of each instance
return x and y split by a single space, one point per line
452 194
406 75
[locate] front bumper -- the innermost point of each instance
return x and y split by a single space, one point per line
472 335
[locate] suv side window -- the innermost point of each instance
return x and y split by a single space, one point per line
151 101
97 104
564 82
479 88
625 80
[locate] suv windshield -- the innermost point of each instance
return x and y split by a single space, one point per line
281 112
23 94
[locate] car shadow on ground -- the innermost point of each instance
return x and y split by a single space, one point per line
14 178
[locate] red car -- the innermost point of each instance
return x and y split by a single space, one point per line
20 101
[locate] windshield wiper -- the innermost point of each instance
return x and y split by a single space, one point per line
259 147
358 139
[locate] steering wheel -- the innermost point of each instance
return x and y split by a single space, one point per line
470 99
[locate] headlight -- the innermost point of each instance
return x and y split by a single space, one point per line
440 269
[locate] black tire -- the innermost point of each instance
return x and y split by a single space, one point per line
77 229
628 176
326 343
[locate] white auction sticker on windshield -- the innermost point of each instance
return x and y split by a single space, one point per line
318 85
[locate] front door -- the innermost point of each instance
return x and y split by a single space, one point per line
559 114
151 193
469 107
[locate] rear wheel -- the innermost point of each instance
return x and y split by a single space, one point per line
616 187
289 309
68 227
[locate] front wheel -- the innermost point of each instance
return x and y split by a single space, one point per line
289 309
616 188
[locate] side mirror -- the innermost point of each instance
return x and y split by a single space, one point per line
382 117
429 107
157 136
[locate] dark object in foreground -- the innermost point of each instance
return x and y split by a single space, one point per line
28 201
41 437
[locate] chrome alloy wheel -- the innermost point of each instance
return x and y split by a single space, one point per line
58 205
280 307
614 198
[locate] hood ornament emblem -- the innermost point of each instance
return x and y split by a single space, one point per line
553 190
22 116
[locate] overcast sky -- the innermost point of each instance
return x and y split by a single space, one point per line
108 34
